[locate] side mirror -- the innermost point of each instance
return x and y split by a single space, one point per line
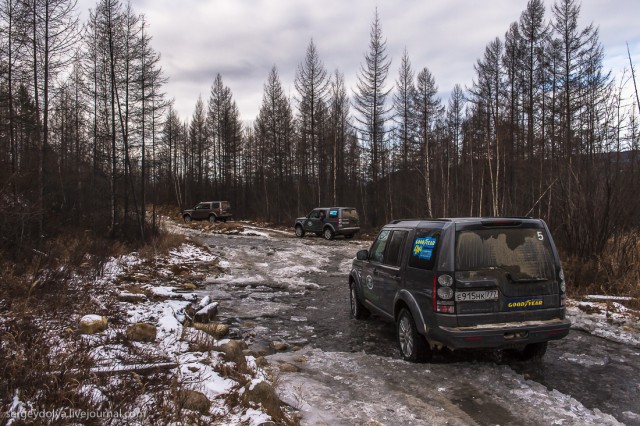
362 255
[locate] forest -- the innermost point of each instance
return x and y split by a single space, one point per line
89 140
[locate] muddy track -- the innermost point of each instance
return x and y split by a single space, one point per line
294 291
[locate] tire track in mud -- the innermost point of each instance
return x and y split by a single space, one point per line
263 304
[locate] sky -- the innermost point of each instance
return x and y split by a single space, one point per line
243 39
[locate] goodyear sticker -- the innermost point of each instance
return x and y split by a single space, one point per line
524 303
423 247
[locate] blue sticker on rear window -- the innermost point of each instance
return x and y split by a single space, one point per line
423 247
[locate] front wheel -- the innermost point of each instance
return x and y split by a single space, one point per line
299 231
328 233
187 218
413 346
358 311
212 218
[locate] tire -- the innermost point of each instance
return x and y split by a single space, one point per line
413 346
212 218
358 311
299 231
533 351
187 218
328 234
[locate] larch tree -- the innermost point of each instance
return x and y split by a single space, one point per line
427 105
312 87
372 110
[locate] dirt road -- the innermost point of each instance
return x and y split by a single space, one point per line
277 288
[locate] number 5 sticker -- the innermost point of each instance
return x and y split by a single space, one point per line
540 236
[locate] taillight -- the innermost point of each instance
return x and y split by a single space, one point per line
563 288
443 294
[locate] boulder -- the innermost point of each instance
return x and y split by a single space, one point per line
279 346
142 332
215 329
194 400
288 368
233 351
263 394
126 296
207 313
91 324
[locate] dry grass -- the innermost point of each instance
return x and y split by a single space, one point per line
614 272
161 244
43 359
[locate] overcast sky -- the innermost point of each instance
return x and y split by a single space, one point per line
243 39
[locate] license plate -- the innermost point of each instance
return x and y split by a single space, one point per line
476 296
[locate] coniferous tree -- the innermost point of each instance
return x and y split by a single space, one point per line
373 112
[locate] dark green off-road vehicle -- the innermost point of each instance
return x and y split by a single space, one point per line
208 210
463 283
329 222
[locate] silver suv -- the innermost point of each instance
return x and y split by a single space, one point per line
329 222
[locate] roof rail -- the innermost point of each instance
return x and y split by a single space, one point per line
418 219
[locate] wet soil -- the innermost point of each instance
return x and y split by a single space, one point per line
598 373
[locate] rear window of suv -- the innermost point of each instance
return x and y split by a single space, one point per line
350 214
525 253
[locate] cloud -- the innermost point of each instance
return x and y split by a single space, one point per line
243 39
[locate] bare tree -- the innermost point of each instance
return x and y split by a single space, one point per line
371 107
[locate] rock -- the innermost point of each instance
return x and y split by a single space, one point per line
142 332
194 400
204 302
206 313
260 349
214 329
125 296
189 286
288 368
232 351
91 324
261 361
263 393
279 346
300 359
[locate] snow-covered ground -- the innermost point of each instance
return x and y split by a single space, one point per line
327 387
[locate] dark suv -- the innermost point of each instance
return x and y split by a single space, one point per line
208 210
329 222
463 283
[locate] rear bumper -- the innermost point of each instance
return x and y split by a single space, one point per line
500 335
352 230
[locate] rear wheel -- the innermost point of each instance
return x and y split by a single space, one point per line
413 346
358 311
299 231
328 233
533 351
